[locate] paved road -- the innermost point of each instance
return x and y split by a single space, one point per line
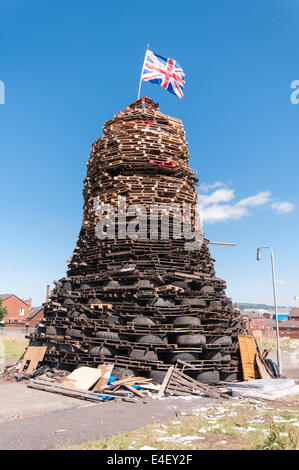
17 400
92 421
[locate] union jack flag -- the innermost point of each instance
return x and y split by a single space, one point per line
165 72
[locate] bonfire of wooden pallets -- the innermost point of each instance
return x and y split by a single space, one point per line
141 304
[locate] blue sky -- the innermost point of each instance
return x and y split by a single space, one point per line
70 65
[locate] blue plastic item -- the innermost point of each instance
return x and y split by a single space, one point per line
112 379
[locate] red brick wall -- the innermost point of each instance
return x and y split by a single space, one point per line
15 325
289 333
13 306
36 319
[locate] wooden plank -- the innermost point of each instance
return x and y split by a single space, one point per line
179 393
207 389
189 276
82 378
130 380
262 369
59 387
106 370
191 380
133 390
33 354
74 393
172 386
165 382
70 392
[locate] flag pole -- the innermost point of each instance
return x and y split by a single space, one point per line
140 81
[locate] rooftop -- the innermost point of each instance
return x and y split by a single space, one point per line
294 312
5 296
289 324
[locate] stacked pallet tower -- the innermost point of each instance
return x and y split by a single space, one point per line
141 304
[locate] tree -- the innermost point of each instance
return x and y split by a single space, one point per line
3 310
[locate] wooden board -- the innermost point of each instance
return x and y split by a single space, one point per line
248 357
262 369
82 378
106 370
130 380
54 387
133 390
33 355
165 382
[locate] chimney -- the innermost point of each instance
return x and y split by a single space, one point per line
47 293
28 302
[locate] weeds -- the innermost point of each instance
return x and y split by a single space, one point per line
13 348
278 441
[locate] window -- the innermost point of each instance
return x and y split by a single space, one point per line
22 311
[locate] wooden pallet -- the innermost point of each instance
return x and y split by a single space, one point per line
180 384
248 353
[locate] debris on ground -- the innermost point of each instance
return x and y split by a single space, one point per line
85 383
93 384
98 384
178 383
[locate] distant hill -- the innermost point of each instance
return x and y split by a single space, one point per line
244 306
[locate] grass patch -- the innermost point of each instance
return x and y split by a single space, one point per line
13 347
236 425
285 343
279 439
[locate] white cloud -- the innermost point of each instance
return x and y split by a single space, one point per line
222 213
258 200
206 187
214 207
283 207
220 195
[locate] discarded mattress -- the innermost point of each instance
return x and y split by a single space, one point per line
268 389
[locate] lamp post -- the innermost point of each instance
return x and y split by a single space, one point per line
258 257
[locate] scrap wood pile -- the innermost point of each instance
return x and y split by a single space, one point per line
177 383
93 384
97 384
140 304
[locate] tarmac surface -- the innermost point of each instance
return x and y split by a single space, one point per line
36 420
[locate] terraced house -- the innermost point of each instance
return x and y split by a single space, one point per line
18 310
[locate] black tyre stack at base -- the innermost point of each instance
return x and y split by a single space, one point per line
140 303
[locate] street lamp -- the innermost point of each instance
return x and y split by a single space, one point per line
258 257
